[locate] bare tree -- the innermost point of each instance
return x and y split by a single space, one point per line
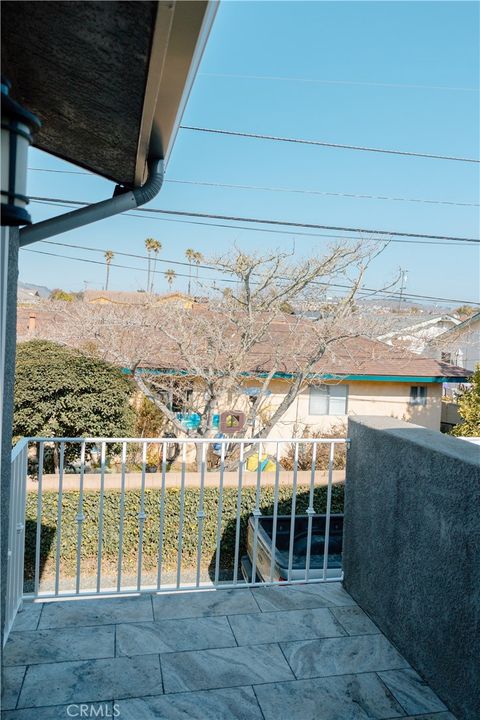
195 361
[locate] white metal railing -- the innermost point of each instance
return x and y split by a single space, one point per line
16 535
79 462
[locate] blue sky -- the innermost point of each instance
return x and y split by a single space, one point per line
400 75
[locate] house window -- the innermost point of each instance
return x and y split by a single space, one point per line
328 400
418 395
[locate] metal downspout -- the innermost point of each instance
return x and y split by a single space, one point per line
121 201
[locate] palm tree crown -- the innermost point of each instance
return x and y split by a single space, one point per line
109 255
170 276
154 246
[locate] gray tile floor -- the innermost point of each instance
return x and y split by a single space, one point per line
305 652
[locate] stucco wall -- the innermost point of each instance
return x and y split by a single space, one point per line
364 398
410 553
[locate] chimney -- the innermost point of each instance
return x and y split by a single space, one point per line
32 322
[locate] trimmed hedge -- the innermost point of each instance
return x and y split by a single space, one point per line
111 522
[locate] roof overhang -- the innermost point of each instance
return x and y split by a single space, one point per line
109 80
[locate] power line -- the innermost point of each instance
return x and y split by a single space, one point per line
285 223
321 143
305 191
268 230
322 192
364 291
317 81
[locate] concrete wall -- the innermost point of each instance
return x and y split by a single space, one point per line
411 549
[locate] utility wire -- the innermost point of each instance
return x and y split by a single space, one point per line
268 230
288 190
321 143
364 291
285 223
317 81
322 192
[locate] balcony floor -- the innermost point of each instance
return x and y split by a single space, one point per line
306 652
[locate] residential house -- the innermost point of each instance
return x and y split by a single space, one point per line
415 334
114 297
459 344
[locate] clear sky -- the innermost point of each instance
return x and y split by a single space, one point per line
400 75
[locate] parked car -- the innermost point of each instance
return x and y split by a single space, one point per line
300 541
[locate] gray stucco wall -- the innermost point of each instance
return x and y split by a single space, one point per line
7 414
412 549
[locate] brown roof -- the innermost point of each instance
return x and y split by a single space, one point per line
285 346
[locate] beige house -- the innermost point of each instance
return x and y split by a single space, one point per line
364 377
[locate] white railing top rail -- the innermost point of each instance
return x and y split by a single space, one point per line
18 447
226 440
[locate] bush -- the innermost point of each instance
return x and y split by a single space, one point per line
305 451
91 501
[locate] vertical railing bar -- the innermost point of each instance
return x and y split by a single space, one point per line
180 519
100 515
200 514
310 510
15 519
219 515
162 515
328 510
293 510
11 545
141 516
24 474
122 517
275 511
239 511
59 517
80 516
256 513
38 538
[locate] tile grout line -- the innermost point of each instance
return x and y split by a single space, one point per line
21 687
269 682
161 673
40 616
338 621
258 701
390 692
233 631
286 660
255 600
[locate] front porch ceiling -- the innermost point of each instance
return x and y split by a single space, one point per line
107 79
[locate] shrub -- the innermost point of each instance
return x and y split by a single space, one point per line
305 451
91 501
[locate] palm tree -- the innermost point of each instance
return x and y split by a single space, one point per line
109 255
156 246
197 259
170 276
149 245
190 255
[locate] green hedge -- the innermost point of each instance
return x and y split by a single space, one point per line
91 501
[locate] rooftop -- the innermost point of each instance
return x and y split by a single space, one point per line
269 652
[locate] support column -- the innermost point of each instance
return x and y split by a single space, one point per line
8 333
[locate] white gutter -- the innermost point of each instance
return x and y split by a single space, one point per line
121 201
